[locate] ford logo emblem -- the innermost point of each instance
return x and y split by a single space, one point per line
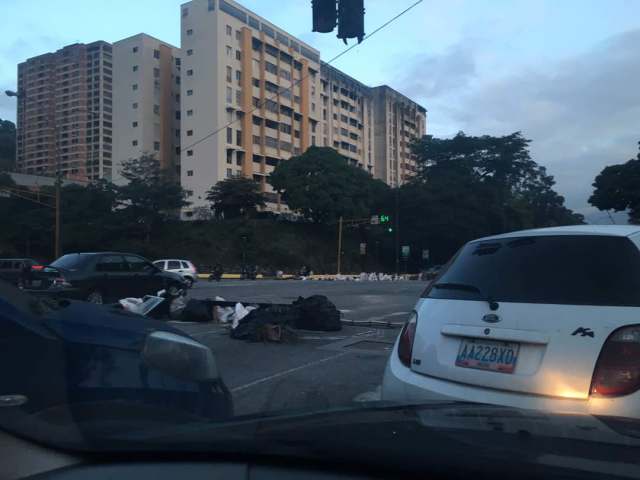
491 318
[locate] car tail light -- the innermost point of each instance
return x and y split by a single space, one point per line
405 344
37 268
60 281
617 371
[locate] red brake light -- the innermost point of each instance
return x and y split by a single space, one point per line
405 344
37 267
617 371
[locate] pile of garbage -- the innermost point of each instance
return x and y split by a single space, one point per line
255 322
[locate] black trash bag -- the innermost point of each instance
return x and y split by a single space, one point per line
317 313
253 326
197 311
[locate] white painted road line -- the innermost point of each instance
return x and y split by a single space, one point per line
287 372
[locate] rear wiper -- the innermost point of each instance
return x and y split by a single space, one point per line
493 305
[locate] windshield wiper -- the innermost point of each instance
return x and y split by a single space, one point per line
465 287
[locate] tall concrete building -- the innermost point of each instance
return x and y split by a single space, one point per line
65 113
146 106
398 121
347 116
254 85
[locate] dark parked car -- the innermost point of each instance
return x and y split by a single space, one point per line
61 356
104 277
13 270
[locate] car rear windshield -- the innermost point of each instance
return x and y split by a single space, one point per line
72 262
571 270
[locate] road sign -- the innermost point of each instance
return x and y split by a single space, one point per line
406 251
426 254
375 220
363 249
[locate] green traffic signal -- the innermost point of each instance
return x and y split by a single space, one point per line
384 218
390 230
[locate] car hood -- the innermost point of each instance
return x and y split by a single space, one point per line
104 325
447 438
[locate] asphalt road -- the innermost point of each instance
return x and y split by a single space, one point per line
317 370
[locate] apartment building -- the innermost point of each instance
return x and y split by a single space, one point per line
347 117
64 115
250 97
146 106
397 122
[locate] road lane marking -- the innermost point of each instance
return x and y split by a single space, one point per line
287 372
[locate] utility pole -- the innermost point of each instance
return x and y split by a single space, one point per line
397 239
339 244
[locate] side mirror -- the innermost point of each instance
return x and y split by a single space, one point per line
180 357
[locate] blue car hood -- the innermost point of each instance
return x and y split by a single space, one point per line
103 325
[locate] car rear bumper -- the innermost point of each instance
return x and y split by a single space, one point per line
68 293
401 384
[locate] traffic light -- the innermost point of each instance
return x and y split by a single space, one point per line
325 15
384 219
390 229
351 19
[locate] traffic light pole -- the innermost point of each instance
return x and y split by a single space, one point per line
339 244
397 239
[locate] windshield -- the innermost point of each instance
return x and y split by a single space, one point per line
72 262
251 209
572 270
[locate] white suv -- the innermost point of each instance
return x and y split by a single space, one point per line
546 319
182 267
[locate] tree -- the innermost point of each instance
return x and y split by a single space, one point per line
323 186
150 197
235 197
7 145
468 187
617 187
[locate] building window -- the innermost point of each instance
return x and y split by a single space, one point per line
238 55
189 93
189 113
189 153
313 141
134 86
134 143
313 107
189 52
135 49
271 68
256 140
238 137
189 73
135 105
229 135
156 53
238 35
212 5
238 97
229 157
229 173
156 146
189 133
229 51
185 11
229 95
189 173
156 109
229 30
229 73
189 32
256 82
134 124
239 76
135 68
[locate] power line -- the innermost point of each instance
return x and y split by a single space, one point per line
297 82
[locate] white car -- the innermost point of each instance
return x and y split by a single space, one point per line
182 267
544 319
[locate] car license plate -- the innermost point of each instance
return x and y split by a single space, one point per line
488 355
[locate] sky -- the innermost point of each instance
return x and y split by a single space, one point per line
566 73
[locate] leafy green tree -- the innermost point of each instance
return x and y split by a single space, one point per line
235 197
150 197
468 187
617 187
323 186
7 145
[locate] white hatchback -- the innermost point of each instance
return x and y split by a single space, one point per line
545 319
181 267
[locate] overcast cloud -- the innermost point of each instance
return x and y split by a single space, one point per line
582 113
